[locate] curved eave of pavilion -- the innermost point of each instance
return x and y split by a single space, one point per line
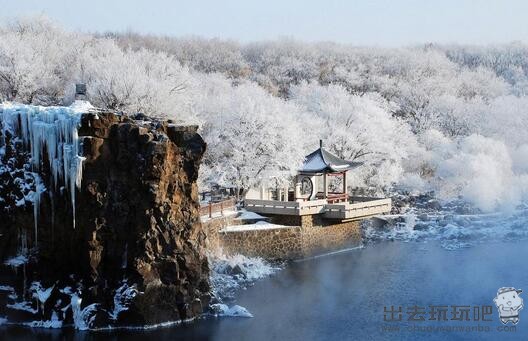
322 161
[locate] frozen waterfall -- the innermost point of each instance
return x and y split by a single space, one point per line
50 134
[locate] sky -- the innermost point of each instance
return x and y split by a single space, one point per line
367 22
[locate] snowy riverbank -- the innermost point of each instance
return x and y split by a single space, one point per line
454 223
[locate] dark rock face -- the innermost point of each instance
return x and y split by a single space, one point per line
137 251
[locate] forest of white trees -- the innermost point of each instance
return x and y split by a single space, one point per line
449 119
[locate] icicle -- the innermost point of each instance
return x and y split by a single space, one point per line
54 130
36 203
50 193
23 243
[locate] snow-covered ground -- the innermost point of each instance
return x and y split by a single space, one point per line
260 225
53 323
248 215
241 214
80 106
225 213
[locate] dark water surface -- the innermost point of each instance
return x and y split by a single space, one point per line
342 297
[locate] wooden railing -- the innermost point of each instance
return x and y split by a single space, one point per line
363 208
337 197
285 207
211 208
333 197
354 199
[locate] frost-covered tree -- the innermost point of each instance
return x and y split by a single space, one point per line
477 168
264 105
359 128
132 81
36 60
251 135
203 55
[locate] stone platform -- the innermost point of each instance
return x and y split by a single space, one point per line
294 237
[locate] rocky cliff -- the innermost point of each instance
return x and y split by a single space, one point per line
99 219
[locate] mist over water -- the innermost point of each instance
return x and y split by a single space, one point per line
491 173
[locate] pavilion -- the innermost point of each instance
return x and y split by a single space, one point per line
312 180
320 187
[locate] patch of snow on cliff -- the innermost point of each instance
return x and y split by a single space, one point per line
67 290
17 261
122 298
41 293
80 106
24 306
220 309
20 203
82 318
231 273
3 320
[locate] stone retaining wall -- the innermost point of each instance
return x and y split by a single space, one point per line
281 243
317 239
315 235
212 229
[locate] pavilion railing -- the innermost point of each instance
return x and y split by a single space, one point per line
333 210
285 207
363 208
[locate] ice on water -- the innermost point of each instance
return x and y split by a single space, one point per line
452 231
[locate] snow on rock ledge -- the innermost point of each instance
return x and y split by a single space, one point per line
220 309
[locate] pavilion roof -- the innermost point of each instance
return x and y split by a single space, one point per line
321 161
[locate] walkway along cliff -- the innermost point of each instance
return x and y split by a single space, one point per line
99 222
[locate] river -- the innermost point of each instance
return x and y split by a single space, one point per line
343 296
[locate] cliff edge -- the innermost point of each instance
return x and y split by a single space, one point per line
99 219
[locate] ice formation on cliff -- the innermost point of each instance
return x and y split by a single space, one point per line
82 318
50 134
122 298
